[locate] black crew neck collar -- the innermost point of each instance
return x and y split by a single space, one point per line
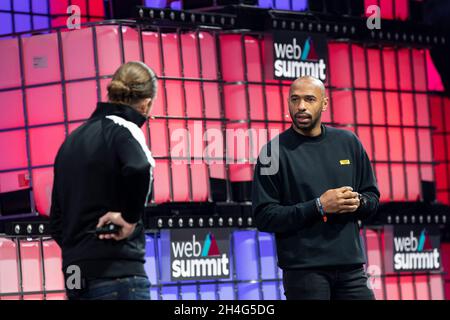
302 137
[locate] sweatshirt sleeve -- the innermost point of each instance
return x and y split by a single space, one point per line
367 187
269 214
136 170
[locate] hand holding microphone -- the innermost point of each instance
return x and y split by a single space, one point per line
122 230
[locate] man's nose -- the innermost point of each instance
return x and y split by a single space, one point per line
302 106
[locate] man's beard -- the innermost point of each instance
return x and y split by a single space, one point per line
305 127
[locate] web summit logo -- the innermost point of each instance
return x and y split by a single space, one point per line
191 260
415 253
292 61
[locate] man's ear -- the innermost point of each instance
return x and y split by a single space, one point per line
148 103
325 104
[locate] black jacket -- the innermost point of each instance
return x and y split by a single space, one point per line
284 199
104 165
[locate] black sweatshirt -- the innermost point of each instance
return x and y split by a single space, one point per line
284 202
104 165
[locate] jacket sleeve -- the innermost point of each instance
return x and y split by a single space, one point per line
55 212
367 187
136 165
269 214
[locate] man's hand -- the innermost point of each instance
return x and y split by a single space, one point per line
340 200
116 217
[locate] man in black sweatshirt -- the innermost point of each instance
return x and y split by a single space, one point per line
312 185
103 175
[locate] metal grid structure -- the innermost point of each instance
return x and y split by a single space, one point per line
177 75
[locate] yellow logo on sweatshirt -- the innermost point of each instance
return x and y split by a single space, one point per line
344 162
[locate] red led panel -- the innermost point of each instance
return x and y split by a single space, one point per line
199 178
340 75
425 144
43 183
53 275
274 103
41 59
179 141
423 118
253 59
76 44
422 289
81 99
172 67
235 102
31 269
131 44
180 178
11 181
285 104
407 287
401 9
442 176
408 113
395 144
342 107
439 152
390 68
359 67
190 55
382 175
427 172
392 288
398 182
259 137
436 287
9 277
194 100
437 113
377 106
381 147
374 61
159 137
152 52
161 183
255 93
387 9
44 105
393 108
231 57
175 98
196 143
241 172
410 144
215 150
14 149
212 100
96 8
208 51
362 107
375 262
420 72
44 144
13 107
364 135
404 65
9 63
108 49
